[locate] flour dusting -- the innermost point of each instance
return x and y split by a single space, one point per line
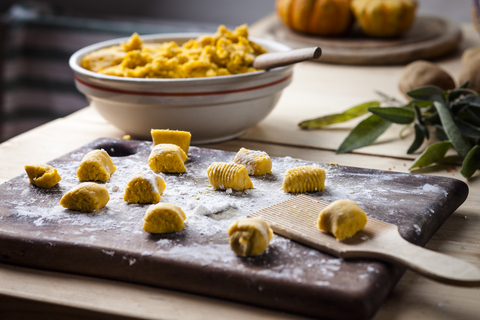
36 213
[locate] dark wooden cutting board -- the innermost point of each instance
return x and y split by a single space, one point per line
36 231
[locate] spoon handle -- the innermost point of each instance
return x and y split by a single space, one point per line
278 59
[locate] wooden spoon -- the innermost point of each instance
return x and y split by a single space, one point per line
296 219
278 59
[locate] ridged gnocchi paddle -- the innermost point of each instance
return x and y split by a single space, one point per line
296 218
285 58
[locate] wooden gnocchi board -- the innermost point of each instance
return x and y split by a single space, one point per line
36 231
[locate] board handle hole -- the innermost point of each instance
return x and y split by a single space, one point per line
118 148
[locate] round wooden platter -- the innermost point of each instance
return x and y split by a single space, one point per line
429 37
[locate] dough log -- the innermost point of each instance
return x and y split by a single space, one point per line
257 163
304 179
164 218
179 138
86 197
224 175
144 187
249 236
166 157
96 166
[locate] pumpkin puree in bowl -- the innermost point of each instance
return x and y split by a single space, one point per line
223 53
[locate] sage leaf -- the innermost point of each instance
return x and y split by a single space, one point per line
349 114
473 111
420 122
433 119
394 114
432 154
473 100
471 163
420 103
429 93
470 117
460 107
364 134
464 85
458 92
474 108
440 133
468 130
417 142
451 130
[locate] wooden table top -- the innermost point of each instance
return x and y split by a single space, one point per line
317 89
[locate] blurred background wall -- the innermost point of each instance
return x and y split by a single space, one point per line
219 11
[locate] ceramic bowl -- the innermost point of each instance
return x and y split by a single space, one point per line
212 109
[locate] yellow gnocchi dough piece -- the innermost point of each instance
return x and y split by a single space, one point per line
96 166
224 175
304 179
163 218
257 163
42 175
342 218
249 236
166 157
144 187
180 138
86 197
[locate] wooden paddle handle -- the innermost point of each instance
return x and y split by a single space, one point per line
431 264
284 58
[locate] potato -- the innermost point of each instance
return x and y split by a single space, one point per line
471 72
421 73
469 55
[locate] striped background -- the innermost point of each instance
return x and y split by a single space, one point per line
37 83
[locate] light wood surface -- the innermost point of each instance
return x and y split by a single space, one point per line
317 89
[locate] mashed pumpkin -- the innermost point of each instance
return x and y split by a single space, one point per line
223 53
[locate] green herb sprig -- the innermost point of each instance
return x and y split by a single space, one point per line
453 115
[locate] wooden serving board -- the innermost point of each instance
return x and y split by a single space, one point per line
429 37
36 231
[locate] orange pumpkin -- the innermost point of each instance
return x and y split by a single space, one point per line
384 18
317 17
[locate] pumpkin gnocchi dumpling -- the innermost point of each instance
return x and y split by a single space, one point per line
42 175
342 218
225 176
86 197
163 218
167 157
257 163
180 138
304 179
96 166
144 187
249 236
